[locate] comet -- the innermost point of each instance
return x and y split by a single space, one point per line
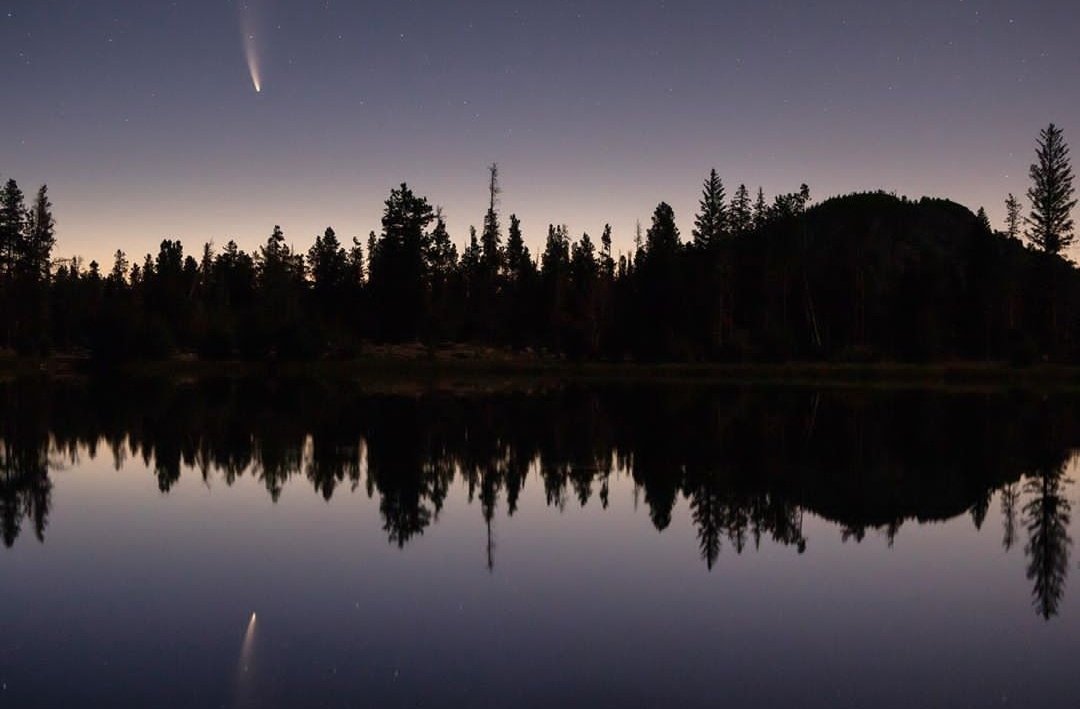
251 52
248 24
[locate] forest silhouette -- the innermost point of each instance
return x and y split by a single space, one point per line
858 278
749 463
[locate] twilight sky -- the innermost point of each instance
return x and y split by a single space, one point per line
142 118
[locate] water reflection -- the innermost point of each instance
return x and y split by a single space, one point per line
1046 516
750 463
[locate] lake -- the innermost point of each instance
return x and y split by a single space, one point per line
497 544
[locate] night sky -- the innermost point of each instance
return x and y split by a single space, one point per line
142 117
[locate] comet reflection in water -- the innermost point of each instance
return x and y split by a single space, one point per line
248 646
244 669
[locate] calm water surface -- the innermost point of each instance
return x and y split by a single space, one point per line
334 545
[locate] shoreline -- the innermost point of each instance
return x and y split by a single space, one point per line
454 364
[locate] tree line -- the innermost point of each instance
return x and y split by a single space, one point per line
858 277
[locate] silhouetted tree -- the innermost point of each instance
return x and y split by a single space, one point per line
1014 217
711 223
518 259
329 267
761 210
741 214
12 227
398 273
662 238
35 255
119 273
607 262
1051 193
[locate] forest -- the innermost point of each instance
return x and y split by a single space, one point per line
858 278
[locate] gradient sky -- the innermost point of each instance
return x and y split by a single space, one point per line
142 118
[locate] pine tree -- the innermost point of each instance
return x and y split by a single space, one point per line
206 268
398 273
12 227
662 238
607 262
583 265
741 213
1014 217
372 247
441 254
786 206
556 250
711 222
272 255
984 219
472 255
329 265
36 255
118 275
761 210
491 238
639 243
356 262
1051 193
518 258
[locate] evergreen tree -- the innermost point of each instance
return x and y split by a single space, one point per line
639 242
518 259
36 256
1051 193
583 265
12 227
607 262
761 210
372 245
741 214
710 225
491 237
118 275
274 258
984 219
279 325
790 205
398 272
471 256
555 277
1014 217
234 271
556 250
442 254
329 265
356 263
661 284
662 238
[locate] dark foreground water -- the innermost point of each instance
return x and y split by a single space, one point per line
289 545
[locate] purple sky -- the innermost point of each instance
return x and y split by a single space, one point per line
142 117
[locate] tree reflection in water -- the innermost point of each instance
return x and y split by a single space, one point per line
750 462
